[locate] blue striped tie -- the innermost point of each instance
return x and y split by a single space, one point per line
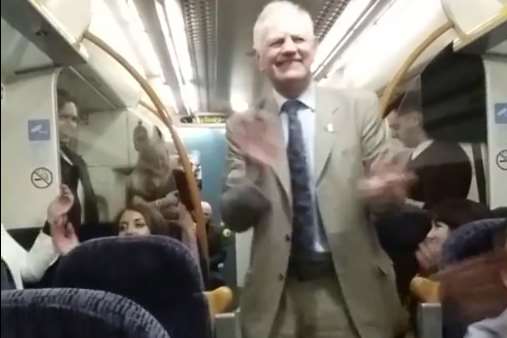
303 222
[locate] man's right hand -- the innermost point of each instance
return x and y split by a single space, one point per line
257 137
387 183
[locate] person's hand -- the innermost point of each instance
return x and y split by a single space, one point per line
257 137
171 199
63 235
428 255
387 183
61 205
169 205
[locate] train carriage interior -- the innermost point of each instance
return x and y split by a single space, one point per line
116 155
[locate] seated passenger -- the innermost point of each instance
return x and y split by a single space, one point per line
140 220
443 169
19 266
217 253
447 217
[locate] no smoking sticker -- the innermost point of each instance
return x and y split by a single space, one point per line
501 159
41 178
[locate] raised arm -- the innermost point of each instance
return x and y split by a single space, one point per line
243 203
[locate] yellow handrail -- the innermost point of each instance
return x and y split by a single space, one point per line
165 117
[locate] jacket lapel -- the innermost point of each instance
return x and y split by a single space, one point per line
269 112
325 136
325 130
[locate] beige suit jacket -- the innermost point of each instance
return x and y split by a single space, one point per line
349 135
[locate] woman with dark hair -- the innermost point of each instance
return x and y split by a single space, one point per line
140 220
447 216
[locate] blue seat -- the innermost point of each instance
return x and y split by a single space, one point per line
6 278
76 313
472 239
156 272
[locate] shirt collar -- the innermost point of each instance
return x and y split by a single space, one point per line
66 157
307 98
420 148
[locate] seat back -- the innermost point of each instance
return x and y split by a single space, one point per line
156 272
6 278
76 313
472 239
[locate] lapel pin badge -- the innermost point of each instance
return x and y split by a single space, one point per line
330 128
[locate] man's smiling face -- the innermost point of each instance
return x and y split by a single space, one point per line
287 53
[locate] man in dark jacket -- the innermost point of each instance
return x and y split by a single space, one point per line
74 169
443 169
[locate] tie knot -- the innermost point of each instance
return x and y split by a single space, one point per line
291 107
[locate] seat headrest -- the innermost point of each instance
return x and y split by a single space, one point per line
147 269
77 313
472 239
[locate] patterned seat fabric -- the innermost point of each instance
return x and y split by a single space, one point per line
156 272
76 313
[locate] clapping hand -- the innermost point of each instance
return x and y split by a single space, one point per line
62 231
257 138
60 205
428 255
387 183
63 235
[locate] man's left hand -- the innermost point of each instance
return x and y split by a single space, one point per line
387 183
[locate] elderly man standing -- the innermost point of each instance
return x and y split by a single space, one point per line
295 167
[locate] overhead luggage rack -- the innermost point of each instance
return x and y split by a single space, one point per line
55 38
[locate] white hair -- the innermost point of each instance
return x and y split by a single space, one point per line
272 13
